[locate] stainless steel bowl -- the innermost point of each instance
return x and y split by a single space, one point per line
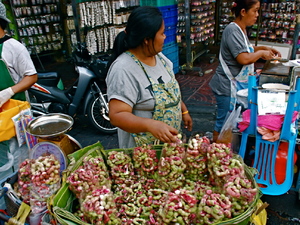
50 125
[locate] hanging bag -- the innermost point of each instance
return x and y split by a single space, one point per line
225 135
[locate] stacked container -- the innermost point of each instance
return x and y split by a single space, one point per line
170 14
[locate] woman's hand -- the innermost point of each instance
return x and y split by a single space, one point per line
187 121
163 132
267 54
275 52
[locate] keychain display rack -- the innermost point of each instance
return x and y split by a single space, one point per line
195 29
277 21
38 24
224 17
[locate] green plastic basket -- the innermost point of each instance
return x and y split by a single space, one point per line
244 218
61 205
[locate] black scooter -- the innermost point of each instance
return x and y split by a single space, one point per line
83 97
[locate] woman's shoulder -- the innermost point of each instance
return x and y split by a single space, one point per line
124 61
232 31
165 58
123 66
168 61
232 27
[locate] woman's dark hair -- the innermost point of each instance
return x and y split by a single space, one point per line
238 5
143 22
3 24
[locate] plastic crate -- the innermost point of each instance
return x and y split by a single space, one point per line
170 15
176 66
170 49
157 3
172 53
11 178
170 33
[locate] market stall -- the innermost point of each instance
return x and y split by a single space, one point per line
198 182
38 173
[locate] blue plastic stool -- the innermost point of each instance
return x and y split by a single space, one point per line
266 151
251 129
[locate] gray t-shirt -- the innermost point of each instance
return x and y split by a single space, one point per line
232 44
127 82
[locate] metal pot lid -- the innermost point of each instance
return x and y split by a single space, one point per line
50 125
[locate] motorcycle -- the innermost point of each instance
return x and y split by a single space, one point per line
83 97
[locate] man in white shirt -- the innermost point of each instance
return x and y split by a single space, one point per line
21 70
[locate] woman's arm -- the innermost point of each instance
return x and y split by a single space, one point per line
246 58
121 116
277 53
187 120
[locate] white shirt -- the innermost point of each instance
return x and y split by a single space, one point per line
17 59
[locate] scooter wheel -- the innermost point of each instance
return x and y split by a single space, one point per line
98 116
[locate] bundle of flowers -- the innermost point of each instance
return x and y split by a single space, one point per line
38 179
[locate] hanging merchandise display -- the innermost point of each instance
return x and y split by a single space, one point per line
202 21
224 16
98 23
195 29
278 21
38 24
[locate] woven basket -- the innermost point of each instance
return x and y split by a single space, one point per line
61 204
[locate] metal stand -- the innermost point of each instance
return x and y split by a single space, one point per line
191 56
295 38
76 19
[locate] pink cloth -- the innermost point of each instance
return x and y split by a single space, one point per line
271 122
246 120
269 135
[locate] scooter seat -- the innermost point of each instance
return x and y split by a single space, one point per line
48 78
48 75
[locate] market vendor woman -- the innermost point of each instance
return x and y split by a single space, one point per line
144 96
237 57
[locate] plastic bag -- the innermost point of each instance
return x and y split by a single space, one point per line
259 217
225 135
6 161
180 207
18 120
8 110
